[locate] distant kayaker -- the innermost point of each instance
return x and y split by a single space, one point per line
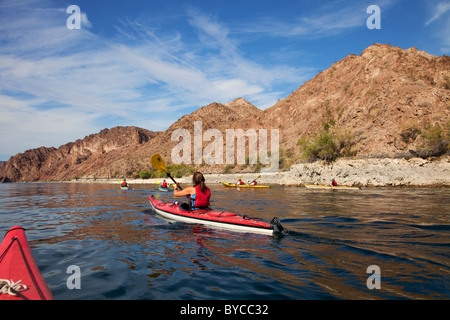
253 183
199 194
333 183
124 183
164 184
240 182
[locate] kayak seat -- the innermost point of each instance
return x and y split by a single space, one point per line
184 206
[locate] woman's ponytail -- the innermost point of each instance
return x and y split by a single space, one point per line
199 179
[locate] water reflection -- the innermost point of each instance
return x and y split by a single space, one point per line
126 251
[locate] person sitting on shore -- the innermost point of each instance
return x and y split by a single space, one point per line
199 194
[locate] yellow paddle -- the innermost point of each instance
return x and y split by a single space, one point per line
255 179
158 164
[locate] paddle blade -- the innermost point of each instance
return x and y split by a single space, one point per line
158 163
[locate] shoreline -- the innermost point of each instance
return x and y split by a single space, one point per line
414 172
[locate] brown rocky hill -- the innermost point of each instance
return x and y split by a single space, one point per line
73 159
377 96
383 98
213 116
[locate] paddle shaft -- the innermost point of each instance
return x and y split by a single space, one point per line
158 164
168 174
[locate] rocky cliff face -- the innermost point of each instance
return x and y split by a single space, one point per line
376 96
75 158
383 97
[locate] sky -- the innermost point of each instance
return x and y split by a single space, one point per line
147 63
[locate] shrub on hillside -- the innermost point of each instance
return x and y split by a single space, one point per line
330 143
328 146
435 140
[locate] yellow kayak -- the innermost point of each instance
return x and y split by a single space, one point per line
324 186
243 185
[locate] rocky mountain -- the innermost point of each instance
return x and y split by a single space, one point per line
376 96
382 98
74 159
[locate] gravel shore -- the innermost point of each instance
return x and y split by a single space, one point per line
415 172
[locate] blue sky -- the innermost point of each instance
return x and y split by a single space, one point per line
148 63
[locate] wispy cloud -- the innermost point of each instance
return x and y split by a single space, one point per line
68 83
439 10
325 20
439 23
236 72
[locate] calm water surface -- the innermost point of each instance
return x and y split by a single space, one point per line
125 251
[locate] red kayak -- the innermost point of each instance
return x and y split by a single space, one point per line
214 218
20 278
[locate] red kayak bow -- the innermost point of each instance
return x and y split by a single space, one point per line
20 278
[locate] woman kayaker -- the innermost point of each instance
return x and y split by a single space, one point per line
199 194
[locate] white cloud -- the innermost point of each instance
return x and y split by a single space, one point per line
439 10
26 127
439 24
141 76
324 20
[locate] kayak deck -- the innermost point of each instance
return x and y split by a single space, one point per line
17 264
243 185
217 219
324 186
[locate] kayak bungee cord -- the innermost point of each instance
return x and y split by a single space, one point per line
11 287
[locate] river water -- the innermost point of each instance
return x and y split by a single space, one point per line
125 251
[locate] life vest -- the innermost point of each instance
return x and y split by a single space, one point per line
124 184
201 199
334 183
164 185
